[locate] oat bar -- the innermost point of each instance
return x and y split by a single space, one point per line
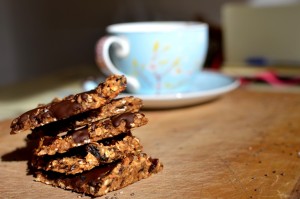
94 132
69 106
115 107
91 155
104 179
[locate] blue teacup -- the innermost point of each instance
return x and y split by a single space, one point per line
156 57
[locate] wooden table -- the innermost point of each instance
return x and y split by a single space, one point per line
245 144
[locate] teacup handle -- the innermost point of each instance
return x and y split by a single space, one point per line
105 64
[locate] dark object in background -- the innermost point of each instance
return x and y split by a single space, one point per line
214 57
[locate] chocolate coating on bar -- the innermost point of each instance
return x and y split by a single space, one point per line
127 117
64 109
71 105
90 178
86 157
115 107
95 152
79 136
97 131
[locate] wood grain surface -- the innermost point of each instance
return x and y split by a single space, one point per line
245 144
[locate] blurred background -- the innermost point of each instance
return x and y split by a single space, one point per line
39 37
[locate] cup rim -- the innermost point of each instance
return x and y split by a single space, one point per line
155 26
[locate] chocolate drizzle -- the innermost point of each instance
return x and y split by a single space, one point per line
25 116
91 177
22 120
153 165
80 151
79 136
64 109
47 141
127 117
95 152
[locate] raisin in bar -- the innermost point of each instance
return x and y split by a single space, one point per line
104 179
50 145
91 155
71 105
115 107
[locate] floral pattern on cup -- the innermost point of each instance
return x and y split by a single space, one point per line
165 64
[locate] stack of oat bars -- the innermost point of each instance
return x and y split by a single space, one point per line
85 142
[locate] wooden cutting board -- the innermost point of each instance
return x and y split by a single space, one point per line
243 145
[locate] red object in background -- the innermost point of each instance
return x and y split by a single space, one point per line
271 78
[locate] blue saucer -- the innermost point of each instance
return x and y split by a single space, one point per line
205 86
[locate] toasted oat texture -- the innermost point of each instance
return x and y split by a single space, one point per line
50 145
60 109
91 155
104 179
115 107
